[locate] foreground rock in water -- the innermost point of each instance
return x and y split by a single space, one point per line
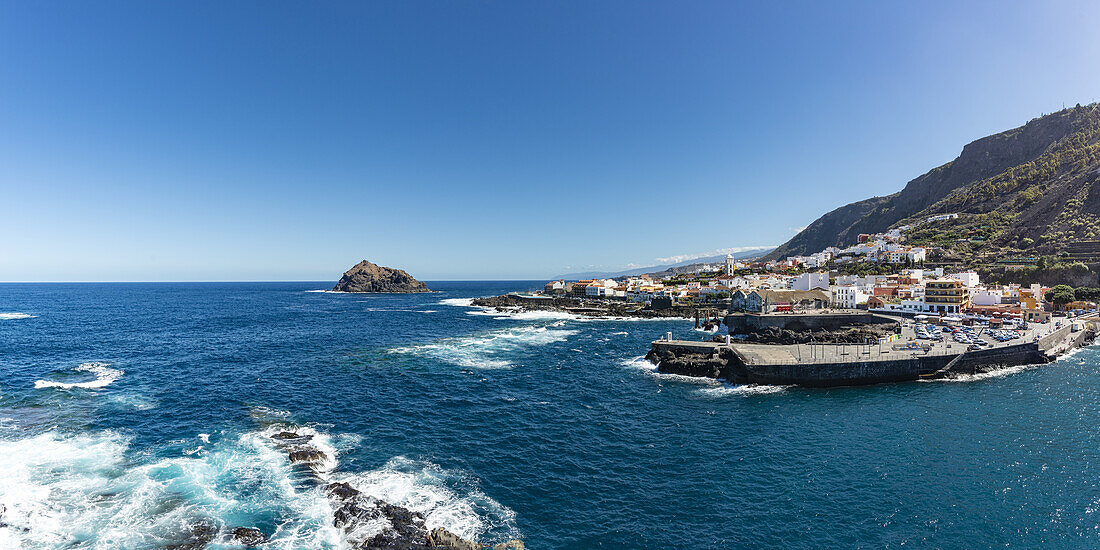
691 364
360 515
368 277
402 528
249 536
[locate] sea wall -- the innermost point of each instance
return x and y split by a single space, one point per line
1054 338
721 361
853 373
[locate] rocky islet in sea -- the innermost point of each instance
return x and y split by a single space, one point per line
369 277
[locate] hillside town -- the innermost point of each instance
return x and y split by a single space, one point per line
802 283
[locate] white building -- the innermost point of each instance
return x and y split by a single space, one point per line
730 264
986 297
968 278
811 281
847 296
941 217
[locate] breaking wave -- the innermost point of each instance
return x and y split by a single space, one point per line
712 387
104 376
11 315
742 390
995 373
643 364
446 498
62 491
458 302
483 350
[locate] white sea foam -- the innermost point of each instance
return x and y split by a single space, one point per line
11 315
446 498
620 333
742 390
68 491
138 402
104 376
459 302
523 315
995 373
482 350
317 439
643 364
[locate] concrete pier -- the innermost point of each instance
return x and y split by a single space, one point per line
856 364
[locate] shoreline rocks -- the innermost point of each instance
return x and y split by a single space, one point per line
857 333
355 512
511 303
368 277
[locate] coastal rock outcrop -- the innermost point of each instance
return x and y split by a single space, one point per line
511 303
854 334
249 536
369 523
368 277
691 364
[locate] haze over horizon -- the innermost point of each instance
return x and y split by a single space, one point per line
279 141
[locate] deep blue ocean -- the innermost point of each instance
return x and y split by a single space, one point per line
131 412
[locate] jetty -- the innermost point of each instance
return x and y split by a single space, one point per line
900 358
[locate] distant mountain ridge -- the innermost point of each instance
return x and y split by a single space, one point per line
682 266
1002 184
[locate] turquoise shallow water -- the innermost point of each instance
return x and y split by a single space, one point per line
129 413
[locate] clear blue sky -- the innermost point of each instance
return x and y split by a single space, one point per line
289 140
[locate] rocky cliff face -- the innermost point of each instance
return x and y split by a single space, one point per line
988 171
368 277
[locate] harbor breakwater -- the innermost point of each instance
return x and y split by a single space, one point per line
824 365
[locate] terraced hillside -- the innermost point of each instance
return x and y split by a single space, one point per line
1021 194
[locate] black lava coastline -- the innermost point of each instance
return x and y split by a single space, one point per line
511 303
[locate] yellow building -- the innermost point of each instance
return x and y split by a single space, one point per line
945 296
1028 300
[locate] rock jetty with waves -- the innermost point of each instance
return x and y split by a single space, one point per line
368 277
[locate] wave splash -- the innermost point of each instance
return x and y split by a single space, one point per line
712 387
445 498
104 376
978 376
86 490
482 350
743 390
12 315
457 302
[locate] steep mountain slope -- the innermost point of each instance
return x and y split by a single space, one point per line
1033 158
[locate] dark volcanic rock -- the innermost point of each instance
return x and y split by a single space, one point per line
293 437
201 534
580 306
249 536
442 538
368 277
855 334
306 455
404 529
691 364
